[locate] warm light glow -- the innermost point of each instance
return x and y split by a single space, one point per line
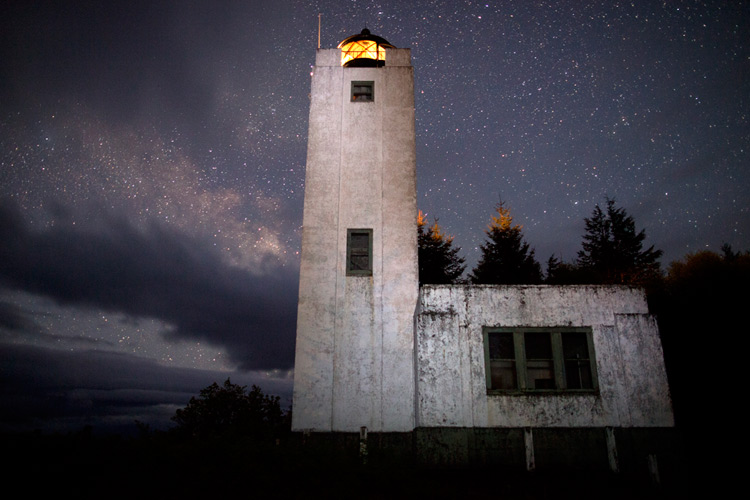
362 49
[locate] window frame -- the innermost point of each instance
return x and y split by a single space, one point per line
363 83
558 359
350 270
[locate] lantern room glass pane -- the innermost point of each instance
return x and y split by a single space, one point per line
366 49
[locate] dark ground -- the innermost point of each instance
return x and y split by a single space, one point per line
163 466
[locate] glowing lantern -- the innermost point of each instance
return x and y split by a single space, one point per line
364 49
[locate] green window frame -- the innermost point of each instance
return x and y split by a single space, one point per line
359 252
540 360
363 91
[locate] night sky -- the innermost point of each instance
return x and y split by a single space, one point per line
152 159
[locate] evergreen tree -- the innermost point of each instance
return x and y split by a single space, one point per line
562 273
613 251
553 269
506 258
439 262
228 411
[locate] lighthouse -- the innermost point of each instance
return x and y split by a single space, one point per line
358 291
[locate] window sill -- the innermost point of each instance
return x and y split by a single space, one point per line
544 392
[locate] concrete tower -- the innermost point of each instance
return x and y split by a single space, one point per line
359 287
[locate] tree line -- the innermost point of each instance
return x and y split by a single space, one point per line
612 253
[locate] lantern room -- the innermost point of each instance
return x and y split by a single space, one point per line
364 50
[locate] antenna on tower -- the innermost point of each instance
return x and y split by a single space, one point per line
319 14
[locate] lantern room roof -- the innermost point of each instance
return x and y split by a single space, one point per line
366 35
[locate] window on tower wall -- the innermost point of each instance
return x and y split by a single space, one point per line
359 252
363 91
542 360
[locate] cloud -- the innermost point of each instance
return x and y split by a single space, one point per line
154 272
65 390
14 318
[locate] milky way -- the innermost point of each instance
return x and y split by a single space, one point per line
152 153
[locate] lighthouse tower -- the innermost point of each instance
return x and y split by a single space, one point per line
358 289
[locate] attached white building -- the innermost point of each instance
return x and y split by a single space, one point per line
539 356
463 373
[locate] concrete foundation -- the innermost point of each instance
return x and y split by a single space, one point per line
554 449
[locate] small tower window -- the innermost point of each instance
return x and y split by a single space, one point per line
359 252
363 91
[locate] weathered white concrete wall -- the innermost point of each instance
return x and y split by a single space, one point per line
355 334
451 381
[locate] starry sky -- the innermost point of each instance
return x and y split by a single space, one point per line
152 160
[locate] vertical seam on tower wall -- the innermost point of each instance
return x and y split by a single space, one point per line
338 247
381 106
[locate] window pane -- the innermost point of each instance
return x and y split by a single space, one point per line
503 374
538 345
577 362
362 91
360 241
578 374
540 370
359 260
575 345
501 345
540 374
502 361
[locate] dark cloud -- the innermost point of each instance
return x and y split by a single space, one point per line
66 390
14 318
153 272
